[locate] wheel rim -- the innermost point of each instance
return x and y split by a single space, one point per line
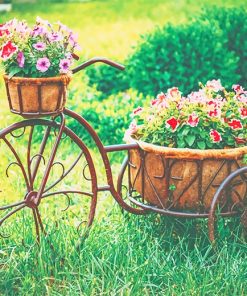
70 193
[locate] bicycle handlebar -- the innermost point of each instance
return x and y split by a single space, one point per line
96 60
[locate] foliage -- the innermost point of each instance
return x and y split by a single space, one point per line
110 118
43 51
209 118
183 55
233 23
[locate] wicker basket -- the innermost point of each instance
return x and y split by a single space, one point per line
37 97
186 179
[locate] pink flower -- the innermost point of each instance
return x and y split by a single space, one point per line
138 110
238 88
37 31
39 46
243 112
215 136
3 30
64 66
214 113
55 37
174 93
20 59
154 102
193 120
73 39
235 124
161 96
173 123
8 50
133 128
43 64
214 85
198 96
242 97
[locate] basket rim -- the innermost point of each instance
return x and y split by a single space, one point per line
17 79
188 153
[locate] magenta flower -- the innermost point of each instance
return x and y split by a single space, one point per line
39 46
243 112
64 66
235 124
215 136
238 88
193 120
173 123
43 64
20 59
8 50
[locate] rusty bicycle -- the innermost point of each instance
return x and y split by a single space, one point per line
44 161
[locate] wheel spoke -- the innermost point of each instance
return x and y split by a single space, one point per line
12 205
11 213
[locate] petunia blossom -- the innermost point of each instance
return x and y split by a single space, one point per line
215 136
214 85
20 59
133 128
173 123
214 113
238 88
160 101
193 120
43 64
40 46
64 66
3 30
55 37
235 124
174 93
38 30
8 50
243 112
242 97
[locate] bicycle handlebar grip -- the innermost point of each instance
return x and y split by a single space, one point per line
96 60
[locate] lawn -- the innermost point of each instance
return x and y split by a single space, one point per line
124 254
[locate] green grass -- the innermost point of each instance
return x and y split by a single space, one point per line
124 254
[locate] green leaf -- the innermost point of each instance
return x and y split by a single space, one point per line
185 131
13 71
190 139
201 145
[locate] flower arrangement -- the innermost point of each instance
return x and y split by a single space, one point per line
45 50
211 118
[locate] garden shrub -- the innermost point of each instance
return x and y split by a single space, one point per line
109 118
212 46
233 23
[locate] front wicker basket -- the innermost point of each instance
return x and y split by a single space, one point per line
37 97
